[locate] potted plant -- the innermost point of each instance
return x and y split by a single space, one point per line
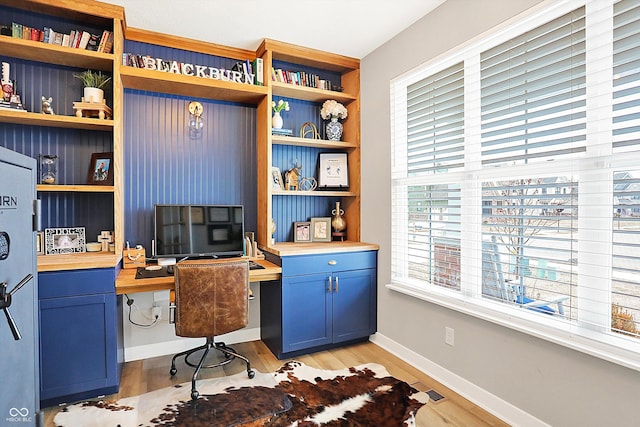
93 83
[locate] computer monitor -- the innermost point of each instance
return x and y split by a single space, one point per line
198 231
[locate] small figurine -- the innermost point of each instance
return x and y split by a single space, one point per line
46 106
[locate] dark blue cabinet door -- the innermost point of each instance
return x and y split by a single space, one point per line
354 307
79 337
306 314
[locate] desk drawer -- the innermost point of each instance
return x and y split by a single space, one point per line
57 284
311 264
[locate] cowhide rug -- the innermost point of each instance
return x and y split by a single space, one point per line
295 395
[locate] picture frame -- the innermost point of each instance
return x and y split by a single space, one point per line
101 169
320 229
333 170
64 240
40 242
197 215
302 231
276 179
218 214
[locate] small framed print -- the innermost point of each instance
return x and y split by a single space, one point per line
40 242
219 214
333 170
101 169
302 231
197 215
64 240
321 229
276 179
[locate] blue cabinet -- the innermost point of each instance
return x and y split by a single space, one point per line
81 347
322 301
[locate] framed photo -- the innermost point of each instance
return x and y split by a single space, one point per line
219 214
333 171
302 231
64 240
238 215
101 169
40 242
197 215
321 229
219 233
276 179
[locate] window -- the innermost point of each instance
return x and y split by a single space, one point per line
515 194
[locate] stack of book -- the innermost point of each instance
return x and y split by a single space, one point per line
13 106
75 39
282 132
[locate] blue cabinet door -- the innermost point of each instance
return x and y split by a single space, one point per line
306 314
79 341
354 304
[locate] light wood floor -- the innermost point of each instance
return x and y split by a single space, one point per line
142 376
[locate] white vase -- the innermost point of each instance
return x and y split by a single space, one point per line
93 95
277 121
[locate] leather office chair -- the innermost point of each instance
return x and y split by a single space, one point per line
211 300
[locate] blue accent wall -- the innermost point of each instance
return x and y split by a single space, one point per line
164 164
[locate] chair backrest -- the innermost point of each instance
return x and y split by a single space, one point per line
211 297
493 283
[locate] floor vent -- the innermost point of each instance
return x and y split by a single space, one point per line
434 396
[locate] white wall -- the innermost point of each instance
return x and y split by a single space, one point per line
556 385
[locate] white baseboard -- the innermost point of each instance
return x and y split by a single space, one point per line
182 344
487 401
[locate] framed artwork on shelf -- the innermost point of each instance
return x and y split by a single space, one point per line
100 169
64 240
302 231
333 170
320 229
276 179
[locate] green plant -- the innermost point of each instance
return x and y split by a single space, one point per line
93 79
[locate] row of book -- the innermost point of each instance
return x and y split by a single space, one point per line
75 39
300 78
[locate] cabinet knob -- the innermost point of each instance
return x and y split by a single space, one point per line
332 262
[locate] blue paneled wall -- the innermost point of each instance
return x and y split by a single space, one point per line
165 164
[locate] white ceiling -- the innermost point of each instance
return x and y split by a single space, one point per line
348 27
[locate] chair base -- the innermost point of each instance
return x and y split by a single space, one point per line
229 354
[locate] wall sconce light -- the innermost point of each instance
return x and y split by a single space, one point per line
196 122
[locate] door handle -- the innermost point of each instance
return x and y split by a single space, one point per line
330 285
337 284
5 303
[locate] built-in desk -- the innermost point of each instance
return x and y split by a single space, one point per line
126 282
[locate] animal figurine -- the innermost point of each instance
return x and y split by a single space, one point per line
46 106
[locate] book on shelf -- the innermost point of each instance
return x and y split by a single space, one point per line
282 132
108 43
258 69
84 40
92 43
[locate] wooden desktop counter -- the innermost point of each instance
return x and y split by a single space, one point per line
126 282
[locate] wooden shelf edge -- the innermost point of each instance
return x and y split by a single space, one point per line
80 261
53 54
291 248
315 193
308 142
309 93
69 122
288 52
75 188
178 84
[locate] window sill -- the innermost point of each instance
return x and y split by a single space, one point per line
619 350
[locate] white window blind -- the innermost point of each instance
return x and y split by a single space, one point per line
533 94
626 76
515 185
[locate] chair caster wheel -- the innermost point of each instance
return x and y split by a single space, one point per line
194 395
251 373
173 371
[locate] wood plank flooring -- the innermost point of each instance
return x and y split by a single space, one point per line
142 376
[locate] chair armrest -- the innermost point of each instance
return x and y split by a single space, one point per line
558 300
